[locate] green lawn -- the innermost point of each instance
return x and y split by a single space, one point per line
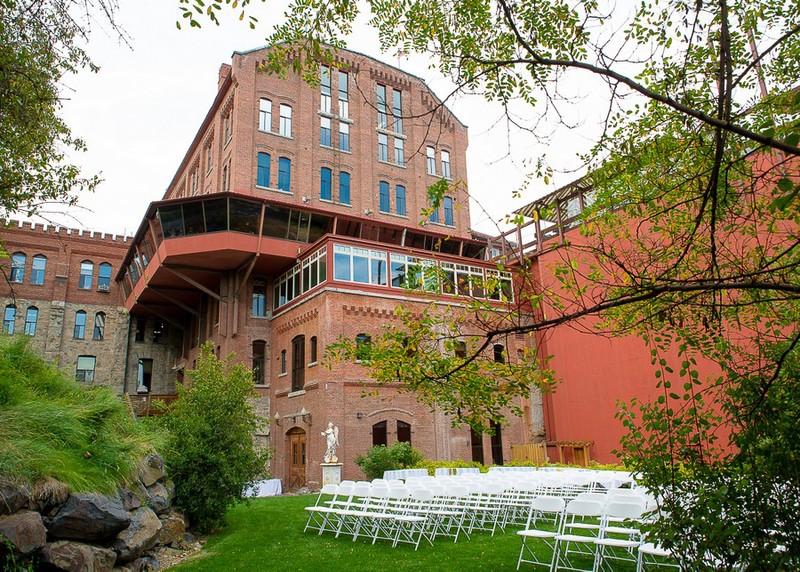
268 534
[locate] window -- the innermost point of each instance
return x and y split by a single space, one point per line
31 318
325 184
400 199
18 261
325 89
399 151
460 349
449 218
383 147
85 369
397 110
381 106
497 444
313 350
158 331
99 326
209 156
499 355
85 278
301 278
141 325
144 375
343 94
228 127
446 164
225 178
325 131
79 332
344 137
262 173
499 285
259 308
403 432
283 362
284 174
476 443
259 350
9 319
415 273
104 276
434 216
362 265
37 269
383 196
379 434
286 120
430 153
463 280
298 362
363 346
344 188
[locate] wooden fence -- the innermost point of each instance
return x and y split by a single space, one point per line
535 453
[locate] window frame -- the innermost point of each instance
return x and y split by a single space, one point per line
384 198
326 184
430 157
285 174
79 331
285 126
400 200
31 324
19 261
344 184
37 275
85 378
9 322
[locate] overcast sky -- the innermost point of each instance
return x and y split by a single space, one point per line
140 112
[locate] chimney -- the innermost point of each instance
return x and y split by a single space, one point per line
224 72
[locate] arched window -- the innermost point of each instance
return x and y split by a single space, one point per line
499 355
18 261
325 184
85 278
497 444
283 361
298 363
344 188
363 347
80 325
262 173
99 326
379 434
259 348
9 319
37 269
104 277
449 217
285 174
312 358
403 432
31 318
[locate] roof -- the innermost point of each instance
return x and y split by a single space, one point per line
568 190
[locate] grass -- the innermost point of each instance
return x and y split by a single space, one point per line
53 428
267 534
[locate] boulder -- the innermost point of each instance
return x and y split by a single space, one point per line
24 530
152 470
48 495
139 537
158 498
145 564
173 527
76 557
89 517
12 497
132 497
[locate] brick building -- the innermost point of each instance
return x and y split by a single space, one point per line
293 219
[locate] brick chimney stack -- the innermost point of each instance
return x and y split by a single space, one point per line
224 72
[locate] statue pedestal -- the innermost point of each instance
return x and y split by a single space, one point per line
331 473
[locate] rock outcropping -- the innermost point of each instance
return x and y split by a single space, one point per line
92 533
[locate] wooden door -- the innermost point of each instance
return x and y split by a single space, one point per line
297 458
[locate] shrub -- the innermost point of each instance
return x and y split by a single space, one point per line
380 459
53 427
431 465
211 456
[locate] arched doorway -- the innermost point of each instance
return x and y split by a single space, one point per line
296 443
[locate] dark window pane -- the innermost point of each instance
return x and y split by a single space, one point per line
245 216
216 214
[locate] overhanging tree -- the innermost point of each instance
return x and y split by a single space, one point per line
691 241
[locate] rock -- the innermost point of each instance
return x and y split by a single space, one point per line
48 495
24 530
173 527
158 498
145 564
189 537
132 499
139 537
89 517
12 497
152 470
77 557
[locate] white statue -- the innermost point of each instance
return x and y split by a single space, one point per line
331 435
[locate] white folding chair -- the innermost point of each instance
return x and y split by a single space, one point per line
652 556
538 507
618 543
319 513
576 543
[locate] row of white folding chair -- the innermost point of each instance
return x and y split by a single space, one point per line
373 511
583 529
